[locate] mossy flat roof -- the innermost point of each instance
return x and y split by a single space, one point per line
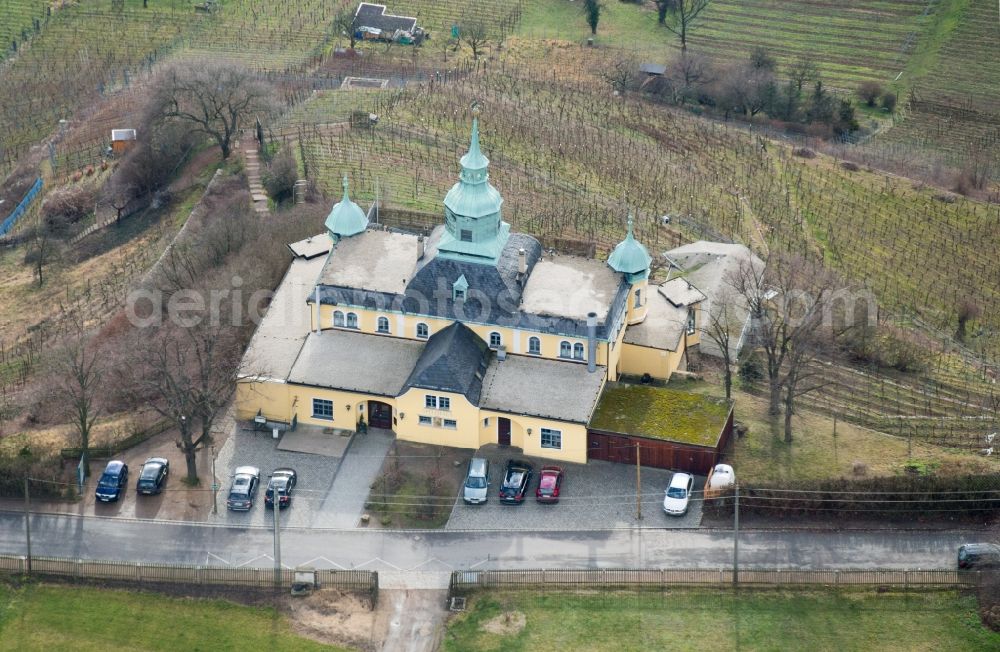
661 413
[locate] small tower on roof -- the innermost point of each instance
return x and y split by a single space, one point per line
631 258
474 228
346 218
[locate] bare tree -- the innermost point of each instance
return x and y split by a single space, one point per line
43 244
788 302
475 35
118 194
802 70
343 24
683 16
80 379
718 325
214 99
620 74
687 75
748 90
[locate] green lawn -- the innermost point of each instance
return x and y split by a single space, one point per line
661 413
54 617
716 620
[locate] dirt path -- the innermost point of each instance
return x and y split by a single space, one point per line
412 620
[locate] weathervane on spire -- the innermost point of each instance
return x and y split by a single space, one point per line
345 184
475 108
630 222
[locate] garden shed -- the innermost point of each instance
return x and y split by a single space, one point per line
672 429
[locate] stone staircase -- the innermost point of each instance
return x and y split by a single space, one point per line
251 158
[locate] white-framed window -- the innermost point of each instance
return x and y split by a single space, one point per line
444 403
565 349
534 346
425 421
638 298
430 401
383 324
352 320
691 326
450 423
495 340
422 331
578 351
338 319
322 409
551 438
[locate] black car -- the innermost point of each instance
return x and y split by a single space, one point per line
979 555
241 494
112 482
152 476
282 481
516 480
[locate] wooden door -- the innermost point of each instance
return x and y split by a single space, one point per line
503 431
379 415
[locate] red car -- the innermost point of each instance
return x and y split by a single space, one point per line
549 483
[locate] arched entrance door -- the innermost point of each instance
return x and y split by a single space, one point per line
379 415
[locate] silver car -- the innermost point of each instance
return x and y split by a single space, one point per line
244 488
476 481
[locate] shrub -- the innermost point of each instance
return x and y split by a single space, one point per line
889 101
68 203
751 370
804 152
869 92
281 175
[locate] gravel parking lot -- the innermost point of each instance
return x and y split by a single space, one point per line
597 495
248 448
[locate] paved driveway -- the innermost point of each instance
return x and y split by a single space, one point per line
597 495
249 448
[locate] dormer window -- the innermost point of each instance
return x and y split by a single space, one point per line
466 235
691 325
459 288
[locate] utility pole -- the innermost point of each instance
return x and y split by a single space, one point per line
277 544
638 481
27 522
215 485
736 535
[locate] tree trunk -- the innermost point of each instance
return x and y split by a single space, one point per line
774 406
190 457
789 400
728 382
224 144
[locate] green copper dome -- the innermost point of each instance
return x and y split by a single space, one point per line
474 228
346 218
630 257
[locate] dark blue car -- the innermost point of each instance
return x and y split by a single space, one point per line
112 482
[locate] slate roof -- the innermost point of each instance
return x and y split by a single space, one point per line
550 389
372 15
356 362
453 360
363 271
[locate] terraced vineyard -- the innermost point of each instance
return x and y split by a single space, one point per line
18 20
850 41
955 105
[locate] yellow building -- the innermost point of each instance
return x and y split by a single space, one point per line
470 336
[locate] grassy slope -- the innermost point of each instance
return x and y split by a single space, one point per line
850 41
694 619
49 617
16 16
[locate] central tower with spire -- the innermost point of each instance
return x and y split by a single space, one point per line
474 229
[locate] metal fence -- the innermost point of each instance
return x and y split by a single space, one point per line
611 579
12 219
356 581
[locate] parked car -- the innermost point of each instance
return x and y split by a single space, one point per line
721 479
477 483
550 480
244 488
112 482
516 480
678 493
152 475
282 481
979 555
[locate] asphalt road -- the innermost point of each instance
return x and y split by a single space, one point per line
78 537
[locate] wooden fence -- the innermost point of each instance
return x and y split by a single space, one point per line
357 581
615 579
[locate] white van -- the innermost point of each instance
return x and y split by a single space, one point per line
477 481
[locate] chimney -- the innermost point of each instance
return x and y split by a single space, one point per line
420 247
316 301
591 342
522 261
